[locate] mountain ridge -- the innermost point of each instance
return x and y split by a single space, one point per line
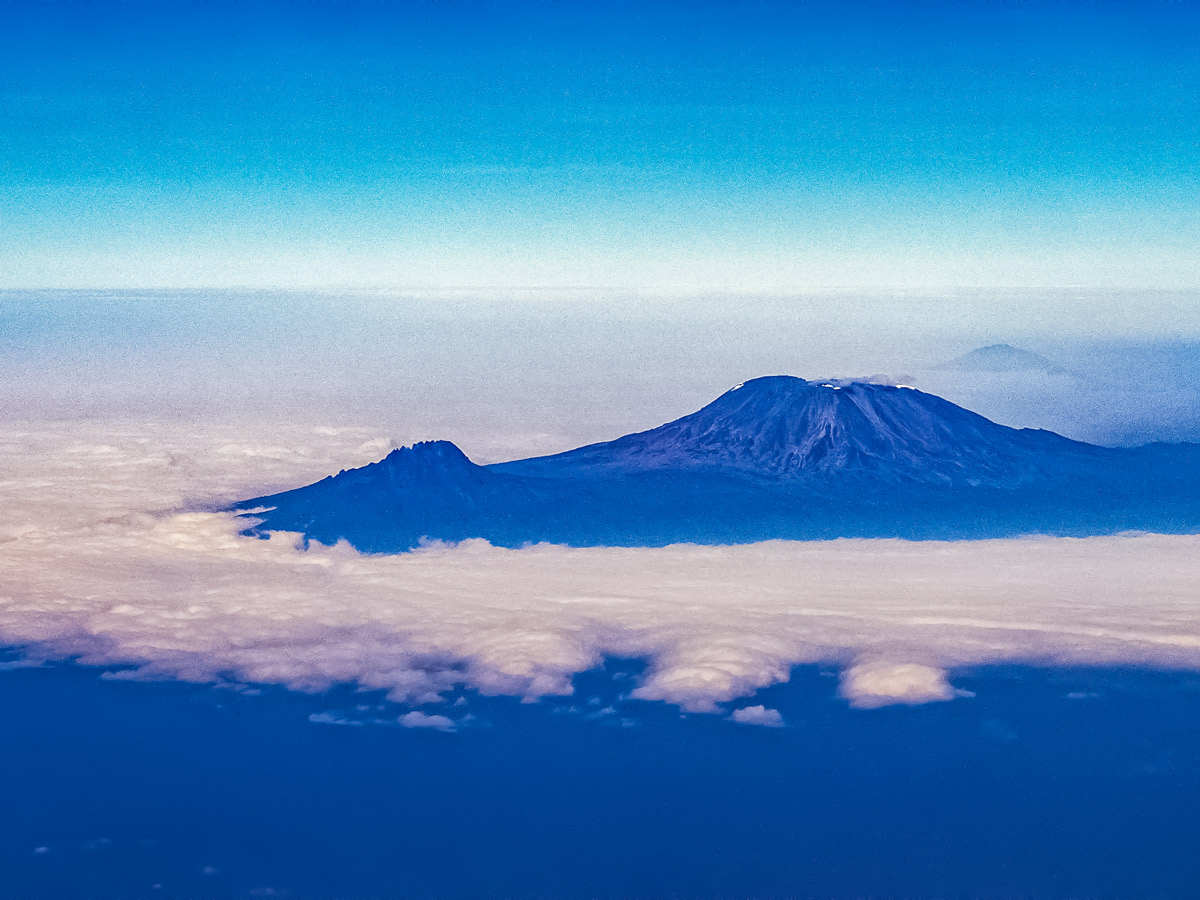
784 426
774 457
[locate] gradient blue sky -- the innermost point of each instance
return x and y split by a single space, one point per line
650 147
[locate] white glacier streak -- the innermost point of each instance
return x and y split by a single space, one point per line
107 556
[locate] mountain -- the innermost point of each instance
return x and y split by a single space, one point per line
1003 358
776 457
785 428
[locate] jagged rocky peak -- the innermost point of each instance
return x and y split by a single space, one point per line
422 461
434 452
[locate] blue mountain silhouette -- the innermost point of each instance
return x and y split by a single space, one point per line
776 457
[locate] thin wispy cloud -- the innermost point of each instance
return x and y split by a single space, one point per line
757 715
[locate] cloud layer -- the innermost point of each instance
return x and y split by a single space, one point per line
110 556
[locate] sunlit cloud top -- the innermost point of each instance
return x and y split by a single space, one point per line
664 146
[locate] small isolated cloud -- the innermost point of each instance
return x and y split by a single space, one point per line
875 684
757 715
41 851
418 719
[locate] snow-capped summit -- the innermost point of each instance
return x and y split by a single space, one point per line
786 427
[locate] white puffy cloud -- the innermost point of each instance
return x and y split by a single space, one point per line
871 684
112 554
757 715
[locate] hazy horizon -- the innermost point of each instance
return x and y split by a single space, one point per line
509 377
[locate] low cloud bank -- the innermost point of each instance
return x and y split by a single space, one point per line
109 556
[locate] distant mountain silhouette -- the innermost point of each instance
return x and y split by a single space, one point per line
996 358
776 457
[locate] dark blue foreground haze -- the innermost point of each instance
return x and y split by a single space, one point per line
1047 784
777 457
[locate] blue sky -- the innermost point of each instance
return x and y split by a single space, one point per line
660 147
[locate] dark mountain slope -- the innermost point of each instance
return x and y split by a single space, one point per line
776 457
781 427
